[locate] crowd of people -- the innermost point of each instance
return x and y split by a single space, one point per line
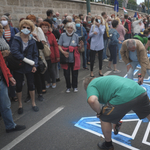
35 51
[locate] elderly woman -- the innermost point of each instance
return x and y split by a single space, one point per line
52 60
24 48
97 43
121 30
81 32
70 41
8 35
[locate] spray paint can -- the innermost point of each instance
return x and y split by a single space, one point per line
139 77
117 127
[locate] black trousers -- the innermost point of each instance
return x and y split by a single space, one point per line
19 77
74 76
92 58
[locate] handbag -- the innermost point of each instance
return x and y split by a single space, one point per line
70 59
46 50
83 39
13 63
42 64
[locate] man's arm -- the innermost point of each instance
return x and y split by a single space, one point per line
94 103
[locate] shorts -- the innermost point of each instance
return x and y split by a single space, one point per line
114 113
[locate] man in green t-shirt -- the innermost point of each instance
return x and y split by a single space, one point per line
118 96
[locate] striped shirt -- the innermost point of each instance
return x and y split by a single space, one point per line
7 35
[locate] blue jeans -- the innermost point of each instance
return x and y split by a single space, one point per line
131 70
84 57
105 48
113 53
119 48
5 106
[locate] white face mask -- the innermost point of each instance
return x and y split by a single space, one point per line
69 33
4 23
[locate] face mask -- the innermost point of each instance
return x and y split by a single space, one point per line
4 23
31 35
25 31
89 22
69 33
99 20
55 19
78 25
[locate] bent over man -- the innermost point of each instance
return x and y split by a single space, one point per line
119 96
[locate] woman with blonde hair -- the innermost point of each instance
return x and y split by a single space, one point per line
97 43
121 30
24 48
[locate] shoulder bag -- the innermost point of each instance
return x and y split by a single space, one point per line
70 59
83 39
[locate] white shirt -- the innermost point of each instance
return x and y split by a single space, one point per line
38 31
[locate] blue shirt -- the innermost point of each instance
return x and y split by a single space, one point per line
133 55
114 35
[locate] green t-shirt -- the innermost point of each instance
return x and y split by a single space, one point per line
115 89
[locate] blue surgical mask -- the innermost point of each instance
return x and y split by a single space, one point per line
78 25
31 35
89 22
55 19
25 31
99 20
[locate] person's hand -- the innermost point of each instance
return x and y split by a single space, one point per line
95 33
35 36
120 42
66 54
5 53
81 43
128 67
140 81
98 115
13 81
98 24
57 59
33 69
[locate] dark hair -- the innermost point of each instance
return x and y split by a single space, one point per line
65 22
92 20
49 12
125 16
114 23
7 14
49 21
103 13
80 15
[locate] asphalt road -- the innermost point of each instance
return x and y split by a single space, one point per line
53 127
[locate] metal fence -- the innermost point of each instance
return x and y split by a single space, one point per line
122 3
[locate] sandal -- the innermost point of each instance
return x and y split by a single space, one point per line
14 99
44 91
86 68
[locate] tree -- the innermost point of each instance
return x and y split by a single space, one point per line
132 2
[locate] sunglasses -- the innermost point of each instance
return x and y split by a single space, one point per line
26 27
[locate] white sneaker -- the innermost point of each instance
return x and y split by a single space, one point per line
53 86
68 91
75 90
48 86
120 60
106 60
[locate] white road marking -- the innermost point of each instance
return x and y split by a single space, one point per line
108 72
32 129
146 135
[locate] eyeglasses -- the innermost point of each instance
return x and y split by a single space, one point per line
26 27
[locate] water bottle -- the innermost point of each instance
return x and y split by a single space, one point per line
139 76
117 127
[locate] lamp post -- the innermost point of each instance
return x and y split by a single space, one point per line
88 6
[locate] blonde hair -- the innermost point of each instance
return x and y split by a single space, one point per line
27 22
77 20
118 20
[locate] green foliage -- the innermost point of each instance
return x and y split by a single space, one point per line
132 2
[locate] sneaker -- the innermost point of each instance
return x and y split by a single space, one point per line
48 86
40 97
102 146
54 86
27 99
17 128
75 90
106 60
35 108
116 71
120 60
68 91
